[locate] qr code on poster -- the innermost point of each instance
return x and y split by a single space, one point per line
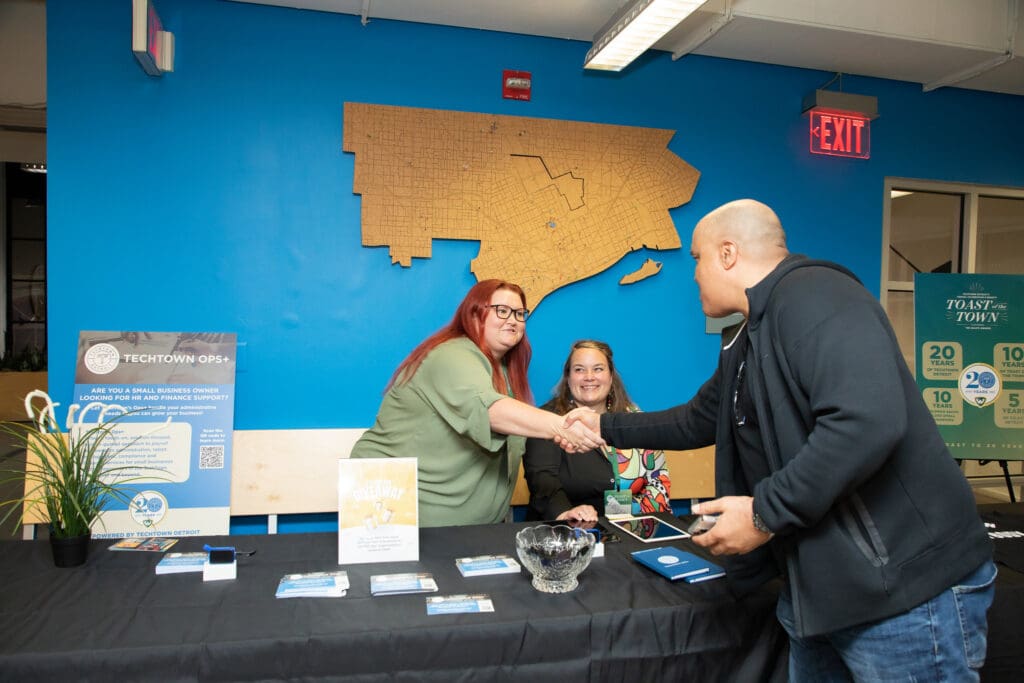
211 457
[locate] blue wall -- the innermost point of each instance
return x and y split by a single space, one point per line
217 198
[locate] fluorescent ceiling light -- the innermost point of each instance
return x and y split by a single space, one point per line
634 29
895 194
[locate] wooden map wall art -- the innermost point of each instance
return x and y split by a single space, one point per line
551 202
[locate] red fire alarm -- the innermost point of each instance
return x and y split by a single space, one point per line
515 85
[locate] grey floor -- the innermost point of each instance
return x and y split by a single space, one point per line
994 495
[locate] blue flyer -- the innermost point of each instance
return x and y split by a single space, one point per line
459 604
175 394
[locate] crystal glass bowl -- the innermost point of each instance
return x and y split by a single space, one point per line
555 555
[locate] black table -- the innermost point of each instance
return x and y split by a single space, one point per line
1005 661
114 619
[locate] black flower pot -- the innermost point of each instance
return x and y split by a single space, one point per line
70 552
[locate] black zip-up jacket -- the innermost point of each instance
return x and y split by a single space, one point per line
872 516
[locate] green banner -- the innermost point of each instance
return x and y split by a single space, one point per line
969 332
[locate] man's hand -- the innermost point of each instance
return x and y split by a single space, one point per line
576 437
734 532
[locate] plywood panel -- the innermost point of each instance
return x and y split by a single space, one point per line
281 471
14 386
289 471
33 514
692 474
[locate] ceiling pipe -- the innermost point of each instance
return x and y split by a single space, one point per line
706 32
1013 10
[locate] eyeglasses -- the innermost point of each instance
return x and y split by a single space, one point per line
504 312
739 419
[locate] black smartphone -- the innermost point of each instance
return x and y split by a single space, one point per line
698 524
222 556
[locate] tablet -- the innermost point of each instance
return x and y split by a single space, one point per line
649 529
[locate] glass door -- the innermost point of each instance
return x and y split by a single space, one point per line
948 228
25 245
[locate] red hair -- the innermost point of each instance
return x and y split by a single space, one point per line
468 321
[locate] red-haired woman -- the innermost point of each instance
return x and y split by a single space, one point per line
460 404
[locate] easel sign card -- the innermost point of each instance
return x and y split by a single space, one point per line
378 513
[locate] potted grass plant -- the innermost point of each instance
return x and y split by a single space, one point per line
72 475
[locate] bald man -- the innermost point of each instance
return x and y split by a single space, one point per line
829 467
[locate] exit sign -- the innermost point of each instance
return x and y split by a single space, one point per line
840 133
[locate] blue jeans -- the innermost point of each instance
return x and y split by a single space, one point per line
943 639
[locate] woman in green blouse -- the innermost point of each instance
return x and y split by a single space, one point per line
460 403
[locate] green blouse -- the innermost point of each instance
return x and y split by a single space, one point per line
466 471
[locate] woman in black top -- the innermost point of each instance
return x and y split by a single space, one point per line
578 486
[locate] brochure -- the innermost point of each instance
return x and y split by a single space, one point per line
378 512
459 604
400 584
152 544
177 563
673 563
482 565
715 572
313 585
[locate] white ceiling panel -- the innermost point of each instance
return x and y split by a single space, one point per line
921 41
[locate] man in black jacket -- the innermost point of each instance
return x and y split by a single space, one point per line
828 466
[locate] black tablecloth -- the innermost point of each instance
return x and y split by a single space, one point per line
115 619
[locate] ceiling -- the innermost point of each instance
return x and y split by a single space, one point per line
937 43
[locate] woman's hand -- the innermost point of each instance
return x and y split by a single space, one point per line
581 513
509 416
576 437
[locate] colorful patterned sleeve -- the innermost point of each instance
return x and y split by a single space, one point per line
655 494
645 472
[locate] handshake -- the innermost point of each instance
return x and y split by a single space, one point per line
579 431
